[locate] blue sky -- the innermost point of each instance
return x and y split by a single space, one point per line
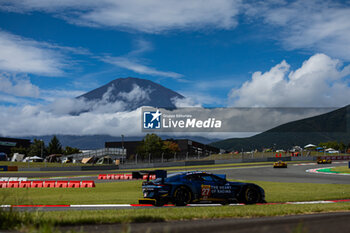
217 53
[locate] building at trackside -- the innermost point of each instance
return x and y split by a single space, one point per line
7 143
188 148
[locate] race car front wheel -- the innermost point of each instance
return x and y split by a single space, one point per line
251 195
182 196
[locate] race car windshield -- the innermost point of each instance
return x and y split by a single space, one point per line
170 178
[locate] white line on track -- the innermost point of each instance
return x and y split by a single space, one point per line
309 202
190 205
101 205
316 170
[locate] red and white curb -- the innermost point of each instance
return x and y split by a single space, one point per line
316 170
149 205
306 164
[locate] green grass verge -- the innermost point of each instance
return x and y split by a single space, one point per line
130 191
104 193
343 169
41 164
265 155
175 168
208 167
61 218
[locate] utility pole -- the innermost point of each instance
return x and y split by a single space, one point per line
41 148
123 147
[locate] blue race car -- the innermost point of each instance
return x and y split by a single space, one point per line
197 187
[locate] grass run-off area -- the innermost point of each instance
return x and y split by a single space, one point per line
78 217
130 192
174 168
343 169
248 155
41 164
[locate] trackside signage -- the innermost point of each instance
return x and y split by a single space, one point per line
192 123
197 119
166 120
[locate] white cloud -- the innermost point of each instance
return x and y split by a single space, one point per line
75 116
54 94
131 61
321 26
18 86
150 16
185 102
23 55
320 82
107 104
197 98
34 120
137 94
133 65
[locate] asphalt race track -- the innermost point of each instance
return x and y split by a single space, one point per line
295 173
320 223
328 222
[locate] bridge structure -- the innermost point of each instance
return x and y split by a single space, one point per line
114 153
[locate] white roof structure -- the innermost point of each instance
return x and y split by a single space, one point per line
309 146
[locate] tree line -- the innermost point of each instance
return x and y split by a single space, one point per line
335 145
154 145
38 148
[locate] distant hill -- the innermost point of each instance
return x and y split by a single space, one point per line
332 126
135 92
98 141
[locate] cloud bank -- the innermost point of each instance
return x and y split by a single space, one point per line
75 116
23 55
320 82
314 26
18 86
150 16
321 26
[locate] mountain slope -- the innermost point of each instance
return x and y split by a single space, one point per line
90 142
135 93
332 126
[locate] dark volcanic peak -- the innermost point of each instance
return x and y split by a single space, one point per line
134 93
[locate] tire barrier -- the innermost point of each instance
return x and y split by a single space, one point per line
123 177
48 184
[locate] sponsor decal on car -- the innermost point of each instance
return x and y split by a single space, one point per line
206 191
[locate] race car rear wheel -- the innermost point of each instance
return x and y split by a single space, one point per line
159 202
182 196
250 195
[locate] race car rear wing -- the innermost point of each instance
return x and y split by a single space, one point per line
158 173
